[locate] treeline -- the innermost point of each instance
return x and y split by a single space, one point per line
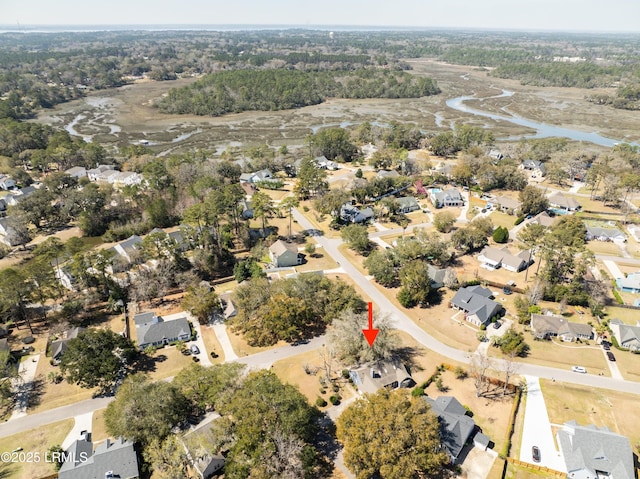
560 74
279 89
626 98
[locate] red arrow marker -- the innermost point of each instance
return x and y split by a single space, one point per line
370 333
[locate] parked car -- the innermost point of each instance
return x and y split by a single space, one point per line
535 453
194 349
497 325
578 369
605 346
610 356
507 290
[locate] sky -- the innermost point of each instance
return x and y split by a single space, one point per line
557 15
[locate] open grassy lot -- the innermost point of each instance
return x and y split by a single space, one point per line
560 354
585 405
47 395
627 316
604 247
628 364
31 442
320 260
166 362
502 219
354 258
242 348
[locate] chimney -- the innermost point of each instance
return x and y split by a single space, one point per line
108 443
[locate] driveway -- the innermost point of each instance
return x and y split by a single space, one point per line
613 367
23 384
203 356
537 429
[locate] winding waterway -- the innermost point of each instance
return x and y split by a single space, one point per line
543 130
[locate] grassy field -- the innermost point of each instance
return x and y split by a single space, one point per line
502 219
585 405
98 429
31 442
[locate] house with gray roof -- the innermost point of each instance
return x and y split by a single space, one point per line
256 177
534 166
562 202
408 204
630 283
390 374
352 214
628 336
6 182
77 172
436 275
544 326
161 332
604 234
284 254
206 464
148 317
4 345
110 460
593 452
59 346
9 234
449 197
127 249
477 304
456 427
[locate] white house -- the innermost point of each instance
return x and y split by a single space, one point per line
604 234
494 258
562 202
448 197
507 205
7 183
77 172
284 254
126 178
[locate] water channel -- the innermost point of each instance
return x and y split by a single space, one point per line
543 130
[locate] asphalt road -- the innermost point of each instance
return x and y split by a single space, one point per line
383 306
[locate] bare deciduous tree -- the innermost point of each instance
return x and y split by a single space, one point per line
480 364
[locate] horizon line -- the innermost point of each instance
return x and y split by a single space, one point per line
95 27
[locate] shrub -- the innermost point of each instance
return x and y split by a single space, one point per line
417 392
501 234
320 402
616 295
519 220
335 400
405 298
345 374
460 373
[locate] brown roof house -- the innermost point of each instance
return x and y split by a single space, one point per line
543 219
546 325
284 254
381 374
507 205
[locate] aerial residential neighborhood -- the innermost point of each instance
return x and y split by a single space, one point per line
312 253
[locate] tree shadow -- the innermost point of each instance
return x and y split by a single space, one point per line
146 363
407 355
326 443
34 390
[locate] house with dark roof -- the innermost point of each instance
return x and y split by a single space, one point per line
407 204
390 374
159 332
147 317
494 258
544 326
59 346
351 214
284 254
593 452
18 195
628 336
110 460
477 304
562 202
456 427
449 197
